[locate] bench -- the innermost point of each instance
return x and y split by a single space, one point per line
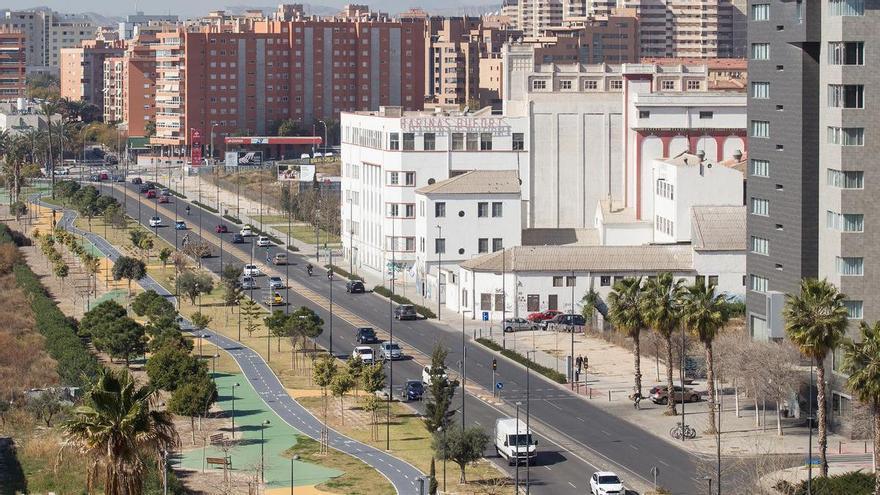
219 461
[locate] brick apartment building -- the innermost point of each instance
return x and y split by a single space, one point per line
130 86
13 82
82 70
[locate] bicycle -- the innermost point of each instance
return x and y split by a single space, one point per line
680 431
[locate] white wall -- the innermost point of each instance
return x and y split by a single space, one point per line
729 266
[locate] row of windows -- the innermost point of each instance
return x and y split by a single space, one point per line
664 225
589 84
482 209
854 309
846 136
845 222
846 179
665 189
482 245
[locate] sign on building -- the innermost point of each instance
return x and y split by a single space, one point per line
496 125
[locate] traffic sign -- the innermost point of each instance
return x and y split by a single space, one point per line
499 385
485 316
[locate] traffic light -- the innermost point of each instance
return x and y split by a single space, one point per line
494 364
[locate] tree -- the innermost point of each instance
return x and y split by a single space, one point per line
195 284
171 366
45 406
355 367
372 380
231 281
113 215
193 398
197 250
200 321
432 479
130 269
277 324
164 256
815 321
115 429
251 313
461 446
341 384
437 408
150 129
61 271
95 320
86 202
704 314
18 209
861 361
152 305
625 313
126 339
661 306
323 373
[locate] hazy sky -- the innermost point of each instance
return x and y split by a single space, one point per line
190 8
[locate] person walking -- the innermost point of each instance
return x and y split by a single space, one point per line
579 362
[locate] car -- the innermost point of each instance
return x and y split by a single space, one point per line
117 178
543 315
565 320
237 239
155 222
246 231
179 225
405 312
263 241
276 283
390 351
95 178
221 229
279 259
426 375
164 199
364 352
151 193
275 300
248 283
365 335
413 390
144 188
137 181
606 483
659 394
165 192
516 324
62 171
105 176
252 270
355 287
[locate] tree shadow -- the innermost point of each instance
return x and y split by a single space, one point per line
12 478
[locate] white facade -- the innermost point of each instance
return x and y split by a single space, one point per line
46 33
21 116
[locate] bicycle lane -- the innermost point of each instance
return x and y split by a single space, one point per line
402 475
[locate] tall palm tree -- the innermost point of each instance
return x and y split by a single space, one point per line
815 321
626 315
116 430
661 309
704 314
861 361
15 156
48 109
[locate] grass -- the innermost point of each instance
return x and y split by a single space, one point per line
37 451
355 481
306 234
273 219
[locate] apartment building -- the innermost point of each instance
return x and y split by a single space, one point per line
13 78
82 70
131 26
243 81
46 32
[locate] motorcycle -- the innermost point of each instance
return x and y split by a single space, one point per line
309 269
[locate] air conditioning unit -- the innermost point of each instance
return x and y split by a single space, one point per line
775 321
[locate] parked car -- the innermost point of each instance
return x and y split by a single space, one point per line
406 312
179 225
279 259
163 199
413 390
117 178
426 375
565 320
543 315
659 394
276 283
390 351
252 270
246 231
144 188
365 352
105 176
95 178
151 193
137 181
517 324
165 192
366 335
221 229
155 222
237 239
606 483
248 283
355 287
263 241
62 171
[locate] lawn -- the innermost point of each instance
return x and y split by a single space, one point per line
306 233
355 481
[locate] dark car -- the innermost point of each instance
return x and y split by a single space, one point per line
355 287
144 188
237 239
406 312
137 181
566 320
413 390
221 229
366 335
659 394
117 178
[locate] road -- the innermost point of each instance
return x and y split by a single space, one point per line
576 437
401 474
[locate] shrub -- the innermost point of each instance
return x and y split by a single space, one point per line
292 248
232 219
852 483
519 358
422 310
205 207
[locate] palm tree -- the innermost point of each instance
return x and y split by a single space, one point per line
704 314
815 321
661 309
50 108
116 430
626 315
17 148
861 361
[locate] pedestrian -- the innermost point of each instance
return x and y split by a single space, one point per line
579 362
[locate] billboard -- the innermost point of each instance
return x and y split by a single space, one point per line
231 158
302 173
244 158
195 139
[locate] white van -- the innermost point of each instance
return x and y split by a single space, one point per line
513 441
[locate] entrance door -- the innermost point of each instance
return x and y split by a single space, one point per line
533 303
552 301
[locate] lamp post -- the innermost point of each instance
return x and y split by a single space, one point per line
464 370
516 447
810 435
202 337
325 135
528 417
391 341
439 250
212 145
232 388
671 393
214 367
263 426
294 458
571 329
442 429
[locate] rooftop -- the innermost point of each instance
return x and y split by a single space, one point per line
614 211
476 182
718 228
560 237
565 259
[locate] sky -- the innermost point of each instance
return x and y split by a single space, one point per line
192 8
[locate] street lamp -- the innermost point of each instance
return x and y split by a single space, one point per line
212 146
263 426
232 388
464 368
214 367
439 265
202 337
516 446
528 417
392 272
294 458
441 429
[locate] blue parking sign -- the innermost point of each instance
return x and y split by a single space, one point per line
499 385
485 316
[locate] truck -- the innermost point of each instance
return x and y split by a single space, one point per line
514 442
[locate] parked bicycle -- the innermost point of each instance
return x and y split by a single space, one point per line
680 431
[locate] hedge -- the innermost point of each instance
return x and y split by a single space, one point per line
340 271
205 207
422 310
852 483
275 240
519 358
172 191
232 219
292 248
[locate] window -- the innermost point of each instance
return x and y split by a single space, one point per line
846 136
644 114
591 84
553 302
483 245
409 141
482 209
409 178
846 53
760 129
846 179
849 266
421 244
393 178
539 84
760 90
486 141
394 143
616 84
761 12
497 244
605 280
457 141
486 302
845 222
557 281
565 84
760 207
473 143
519 143
759 284
496 209
430 141
439 245
853 309
713 280
533 302
667 85
570 281
694 85
760 51
760 168
846 96
440 209
499 302
760 245
847 7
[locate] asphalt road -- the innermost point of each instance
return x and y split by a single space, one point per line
585 438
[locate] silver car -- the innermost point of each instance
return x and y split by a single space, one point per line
517 324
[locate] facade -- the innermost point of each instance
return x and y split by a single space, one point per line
21 116
46 33
113 89
130 27
82 70
13 77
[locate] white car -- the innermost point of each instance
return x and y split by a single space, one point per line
155 222
251 271
426 375
606 483
365 352
246 231
263 241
